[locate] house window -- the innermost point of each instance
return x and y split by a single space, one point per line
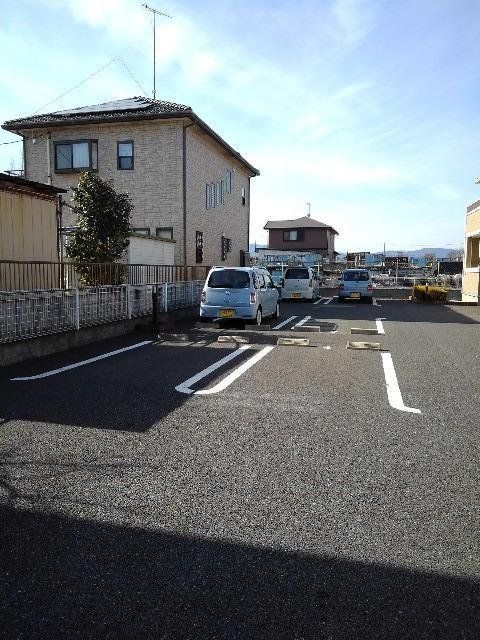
213 200
76 155
164 232
228 180
144 231
222 192
218 195
293 235
199 247
125 155
207 196
226 247
244 200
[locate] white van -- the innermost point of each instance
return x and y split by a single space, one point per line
300 283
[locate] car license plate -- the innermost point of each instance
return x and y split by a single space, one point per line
227 313
355 295
296 295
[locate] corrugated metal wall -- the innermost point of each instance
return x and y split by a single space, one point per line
28 230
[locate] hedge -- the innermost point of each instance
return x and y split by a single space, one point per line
427 293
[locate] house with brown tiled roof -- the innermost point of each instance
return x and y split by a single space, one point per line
187 184
302 234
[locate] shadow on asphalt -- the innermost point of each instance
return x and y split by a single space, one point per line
129 392
66 578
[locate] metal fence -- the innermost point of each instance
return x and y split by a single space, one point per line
29 314
31 276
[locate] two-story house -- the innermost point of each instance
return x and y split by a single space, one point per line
187 184
302 234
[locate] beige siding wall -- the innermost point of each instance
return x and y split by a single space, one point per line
471 271
28 227
473 221
207 162
471 286
150 251
155 184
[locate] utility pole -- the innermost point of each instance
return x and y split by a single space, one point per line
155 13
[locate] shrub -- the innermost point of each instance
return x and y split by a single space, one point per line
426 293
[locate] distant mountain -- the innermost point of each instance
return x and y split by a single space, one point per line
440 252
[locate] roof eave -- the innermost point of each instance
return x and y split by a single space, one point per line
15 126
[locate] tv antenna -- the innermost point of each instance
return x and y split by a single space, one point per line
156 13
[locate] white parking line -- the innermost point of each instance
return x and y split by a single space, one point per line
380 329
319 300
393 390
54 372
328 300
302 321
185 387
227 381
282 324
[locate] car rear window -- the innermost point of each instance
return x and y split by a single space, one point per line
297 274
229 279
356 276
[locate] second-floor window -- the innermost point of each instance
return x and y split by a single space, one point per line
76 155
125 154
293 235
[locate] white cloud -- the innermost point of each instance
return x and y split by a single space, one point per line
354 19
446 192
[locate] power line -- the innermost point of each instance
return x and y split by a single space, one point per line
11 142
122 61
76 86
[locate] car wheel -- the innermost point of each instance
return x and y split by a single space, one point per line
258 317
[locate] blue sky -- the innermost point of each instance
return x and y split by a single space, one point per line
367 109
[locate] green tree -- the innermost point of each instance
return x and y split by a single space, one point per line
103 227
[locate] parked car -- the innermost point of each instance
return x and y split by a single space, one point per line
246 293
277 275
355 283
300 283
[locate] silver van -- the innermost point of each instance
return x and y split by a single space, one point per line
300 283
245 293
356 283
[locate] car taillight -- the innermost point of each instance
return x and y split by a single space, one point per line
203 297
341 286
253 297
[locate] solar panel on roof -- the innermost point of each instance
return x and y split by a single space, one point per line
115 105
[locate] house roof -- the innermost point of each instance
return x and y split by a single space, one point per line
128 109
299 223
21 184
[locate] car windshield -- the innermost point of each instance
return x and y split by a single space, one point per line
276 275
229 279
356 276
296 274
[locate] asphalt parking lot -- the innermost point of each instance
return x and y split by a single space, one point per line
184 487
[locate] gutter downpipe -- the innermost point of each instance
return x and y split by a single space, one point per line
49 172
185 127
